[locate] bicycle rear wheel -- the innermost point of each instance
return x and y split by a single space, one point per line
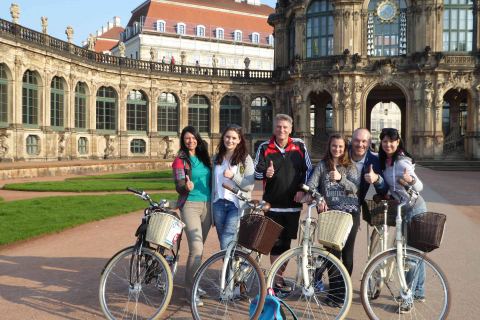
433 303
330 293
244 282
135 286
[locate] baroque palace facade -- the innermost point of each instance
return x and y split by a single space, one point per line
334 62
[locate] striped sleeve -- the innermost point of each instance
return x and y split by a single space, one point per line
259 164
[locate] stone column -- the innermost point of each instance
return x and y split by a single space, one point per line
300 45
437 120
215 113
122 141
153 96
183 120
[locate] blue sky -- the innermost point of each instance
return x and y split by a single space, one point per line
85 16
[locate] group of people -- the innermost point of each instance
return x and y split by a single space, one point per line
343 177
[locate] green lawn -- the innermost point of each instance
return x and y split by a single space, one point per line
24 219
92 185
166 174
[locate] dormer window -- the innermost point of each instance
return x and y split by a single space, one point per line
181 27
135 27
160 26
219 32
237 35
255 37
200 31
271 40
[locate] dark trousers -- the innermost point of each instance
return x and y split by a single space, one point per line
346 255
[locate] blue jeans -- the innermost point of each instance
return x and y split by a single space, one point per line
225 215
416 271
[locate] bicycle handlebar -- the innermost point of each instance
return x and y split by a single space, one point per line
254 204
313 192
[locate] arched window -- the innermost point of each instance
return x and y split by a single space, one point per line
237 35
167 116
271 40
106 109
81 105
261 116
57 102
3 95
136 111
82 145
291 41
138 146
255 37
219 33
458 25
387 28
230 112
181 28
199 113
30 98
329 116
319 29
200 31
160 26
33 145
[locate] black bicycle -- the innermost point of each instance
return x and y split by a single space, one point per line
137 282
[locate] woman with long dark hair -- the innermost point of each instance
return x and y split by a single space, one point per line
397 164
192 175
233 166
336 177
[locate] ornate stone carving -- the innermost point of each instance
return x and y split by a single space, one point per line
246 62
121 49
153 53
15 12
4 147
91 42
214 61
428 96
386 70
44 24
109 150
61 144
183 58
168 154
69 33
460 80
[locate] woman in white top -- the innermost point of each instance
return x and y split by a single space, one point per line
232 165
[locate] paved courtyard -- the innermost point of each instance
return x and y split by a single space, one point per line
56 276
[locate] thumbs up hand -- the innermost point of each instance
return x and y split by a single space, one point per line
270 170
371 176
335 175
407 177
189 184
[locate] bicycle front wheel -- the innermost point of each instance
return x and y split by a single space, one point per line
244 282
135 285
329 295
377 245
429 297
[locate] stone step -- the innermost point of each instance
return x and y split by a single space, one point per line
451 165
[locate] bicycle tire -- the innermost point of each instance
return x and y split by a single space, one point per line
149 295
297 298
231 302
376 283
390 305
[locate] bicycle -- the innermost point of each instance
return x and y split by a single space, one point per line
231 279
321 286
407 262
137 282
378 239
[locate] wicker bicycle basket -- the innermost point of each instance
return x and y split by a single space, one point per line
333 228
163 229
258 233
425 231
374 213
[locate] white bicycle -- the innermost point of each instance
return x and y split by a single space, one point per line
321 286
399 270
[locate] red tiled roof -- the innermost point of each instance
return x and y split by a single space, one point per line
113 33
154 10
103 44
